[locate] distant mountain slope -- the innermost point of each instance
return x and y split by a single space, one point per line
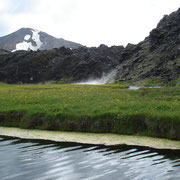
31 39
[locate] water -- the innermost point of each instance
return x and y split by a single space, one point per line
138 87
46 160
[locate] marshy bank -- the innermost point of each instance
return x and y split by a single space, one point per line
96 109
90 138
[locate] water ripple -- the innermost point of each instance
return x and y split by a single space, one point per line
41 160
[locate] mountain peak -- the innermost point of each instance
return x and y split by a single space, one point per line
33 39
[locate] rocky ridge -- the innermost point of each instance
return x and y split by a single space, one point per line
157 56
61 64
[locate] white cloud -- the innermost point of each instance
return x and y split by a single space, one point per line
89 22
4 5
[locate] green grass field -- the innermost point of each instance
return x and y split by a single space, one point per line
87 108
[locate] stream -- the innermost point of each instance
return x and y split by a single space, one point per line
46 160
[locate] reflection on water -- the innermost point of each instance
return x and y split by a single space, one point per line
40 160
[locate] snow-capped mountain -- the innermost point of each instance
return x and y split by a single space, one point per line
32 39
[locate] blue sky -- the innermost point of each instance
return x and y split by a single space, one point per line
16 6
89 22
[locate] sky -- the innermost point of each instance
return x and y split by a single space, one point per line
88 22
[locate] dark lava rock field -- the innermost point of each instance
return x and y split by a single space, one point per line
157 56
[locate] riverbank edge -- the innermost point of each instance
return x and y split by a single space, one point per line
133 124
107 139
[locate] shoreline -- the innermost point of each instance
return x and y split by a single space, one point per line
90 138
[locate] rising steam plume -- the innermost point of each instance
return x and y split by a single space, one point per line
106 78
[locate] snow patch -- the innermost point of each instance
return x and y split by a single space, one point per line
36 38
28 45
22 46
27 37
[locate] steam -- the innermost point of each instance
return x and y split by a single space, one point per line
106 78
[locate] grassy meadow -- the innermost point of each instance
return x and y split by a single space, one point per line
92 108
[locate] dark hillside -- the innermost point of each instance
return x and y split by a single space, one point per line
157 56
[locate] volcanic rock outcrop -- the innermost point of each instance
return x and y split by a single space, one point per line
157 56
61 64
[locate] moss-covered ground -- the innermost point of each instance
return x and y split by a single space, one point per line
92 108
